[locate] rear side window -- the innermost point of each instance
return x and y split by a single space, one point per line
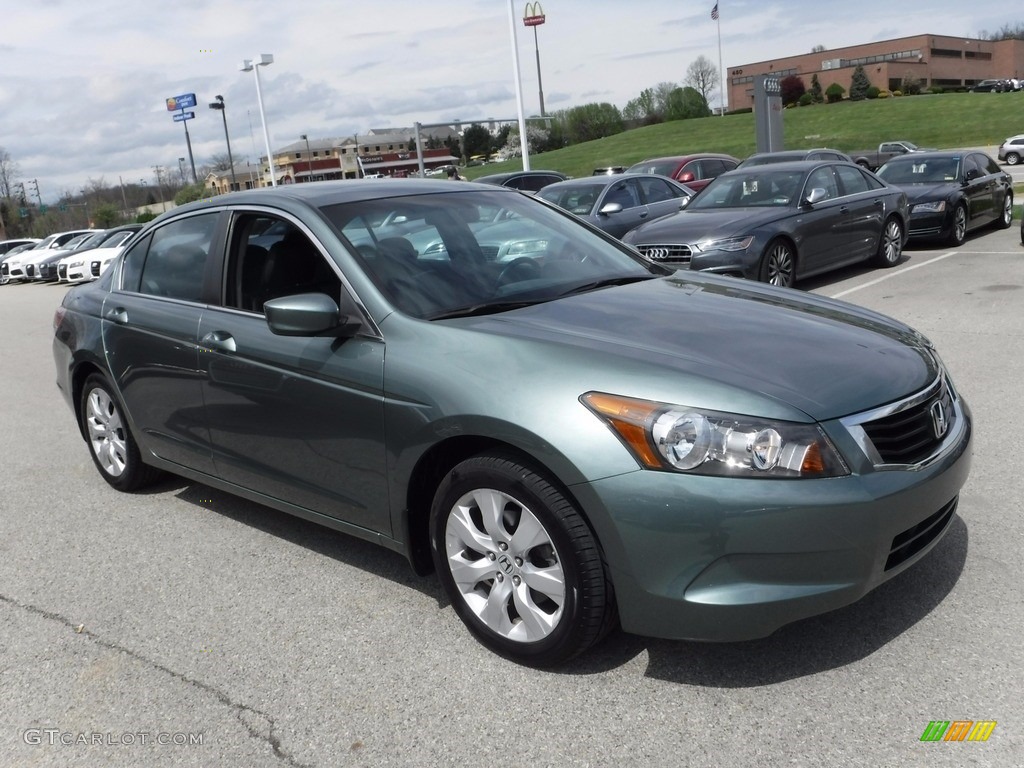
171 262
852 179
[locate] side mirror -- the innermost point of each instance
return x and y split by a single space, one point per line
609 208
688 176
815 196
684 201
307 314
973 174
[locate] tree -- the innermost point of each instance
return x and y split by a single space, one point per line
593 121
911 85
106 215
662 91
819 49
189 194
1006 32
218 161
686 103
792 89
536 140
834 93
9 173
643 110
859 84
701 75
816 94
476 140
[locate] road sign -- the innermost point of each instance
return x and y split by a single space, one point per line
184 101
184 116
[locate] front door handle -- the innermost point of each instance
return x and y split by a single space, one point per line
220 340
118 315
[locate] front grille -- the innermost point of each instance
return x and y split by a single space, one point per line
911 435
62 271
95 269
907 544
666 254
30 270
5 269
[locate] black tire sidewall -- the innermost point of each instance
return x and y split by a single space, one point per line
136 474
508 476
763 269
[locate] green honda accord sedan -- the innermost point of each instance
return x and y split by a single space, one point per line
572 437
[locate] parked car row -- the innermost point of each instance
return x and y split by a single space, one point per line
997 85
67 257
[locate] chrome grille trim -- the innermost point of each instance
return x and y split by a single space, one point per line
663 253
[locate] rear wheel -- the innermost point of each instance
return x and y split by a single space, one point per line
778 264
1006 217
1012 159
520 565
890 249
959 229
111 443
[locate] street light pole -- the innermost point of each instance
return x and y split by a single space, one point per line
309 158
219 105
249 65
524 143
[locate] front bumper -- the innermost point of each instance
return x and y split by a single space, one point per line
721 559
929 224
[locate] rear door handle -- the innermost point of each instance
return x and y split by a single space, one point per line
221 340
118 315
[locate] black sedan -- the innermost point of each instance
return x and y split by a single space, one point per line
782 221
952 192
617 204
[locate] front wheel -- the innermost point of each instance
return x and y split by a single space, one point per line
778 264
1012 159
111 443
890 249
518 562
959 229
1006 217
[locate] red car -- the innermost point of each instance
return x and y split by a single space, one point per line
695 171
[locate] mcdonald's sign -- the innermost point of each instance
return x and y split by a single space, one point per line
533 15
958 730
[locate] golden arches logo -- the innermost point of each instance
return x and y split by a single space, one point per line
533 14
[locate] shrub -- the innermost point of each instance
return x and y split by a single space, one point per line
806 99
873 91
884 94
792 89
897 93
834 93
859 84
936 89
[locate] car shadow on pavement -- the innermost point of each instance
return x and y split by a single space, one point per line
806 647
364 555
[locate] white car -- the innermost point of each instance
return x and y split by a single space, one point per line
10 255
16 266
77 267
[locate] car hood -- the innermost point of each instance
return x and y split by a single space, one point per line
919 193
690 226
722 336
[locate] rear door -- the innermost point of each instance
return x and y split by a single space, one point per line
979 190
863 200
149 326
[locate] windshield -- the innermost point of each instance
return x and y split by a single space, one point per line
575 198
743 190
907 170
659 167
476 252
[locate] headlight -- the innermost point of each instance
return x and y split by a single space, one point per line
726 244
669 437
74 264
524 247
935 206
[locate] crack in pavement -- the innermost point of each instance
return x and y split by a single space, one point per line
243 712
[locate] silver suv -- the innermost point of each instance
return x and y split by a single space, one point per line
1011 151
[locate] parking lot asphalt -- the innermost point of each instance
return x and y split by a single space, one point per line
186 627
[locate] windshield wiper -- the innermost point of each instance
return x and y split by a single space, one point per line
605 283
486 308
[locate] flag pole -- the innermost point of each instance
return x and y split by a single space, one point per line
721 71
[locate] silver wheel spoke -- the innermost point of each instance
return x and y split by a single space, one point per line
469 573
494 611
492 505
535 623
529 534
548 581
465 532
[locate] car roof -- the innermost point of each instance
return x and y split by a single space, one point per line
607 180
500 178
947 153
788 165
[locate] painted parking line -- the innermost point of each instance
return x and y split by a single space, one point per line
890 275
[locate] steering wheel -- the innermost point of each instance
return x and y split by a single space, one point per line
523 268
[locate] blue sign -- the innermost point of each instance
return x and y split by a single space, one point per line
185 101
184 116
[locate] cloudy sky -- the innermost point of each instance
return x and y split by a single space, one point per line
83 84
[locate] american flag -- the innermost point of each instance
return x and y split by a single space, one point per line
714 12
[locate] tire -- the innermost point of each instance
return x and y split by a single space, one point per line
520 565
958 230
1012 158
890 248
1006 217
778 264
111 443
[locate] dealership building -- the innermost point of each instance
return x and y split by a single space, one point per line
932 60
